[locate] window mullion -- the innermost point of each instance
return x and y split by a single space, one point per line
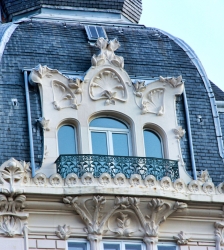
110 143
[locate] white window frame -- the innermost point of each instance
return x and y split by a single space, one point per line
89 34
109 132
123 242
78 240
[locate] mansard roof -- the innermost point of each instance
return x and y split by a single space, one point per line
147 53
131 9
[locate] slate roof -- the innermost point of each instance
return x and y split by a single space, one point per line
219 94
146 53
132 9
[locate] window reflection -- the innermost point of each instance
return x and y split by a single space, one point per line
153 145
66 140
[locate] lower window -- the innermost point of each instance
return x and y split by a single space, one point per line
78 245
122 245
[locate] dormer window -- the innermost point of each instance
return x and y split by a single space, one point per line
66 140
94 32
109 137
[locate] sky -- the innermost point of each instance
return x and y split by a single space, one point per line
200 23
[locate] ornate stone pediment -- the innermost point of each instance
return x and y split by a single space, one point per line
106 78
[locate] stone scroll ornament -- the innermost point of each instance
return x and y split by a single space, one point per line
152 100
107 79
123 219
67 92
12 201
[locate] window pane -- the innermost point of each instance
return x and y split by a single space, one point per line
93 32
111 246
120 144
105 122
76 246
100 32
66 140
133 247
99 143
153 147
166 247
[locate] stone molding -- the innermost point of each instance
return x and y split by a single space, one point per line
123 218
16 179
12 201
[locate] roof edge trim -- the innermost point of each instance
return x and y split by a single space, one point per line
195 60
5 38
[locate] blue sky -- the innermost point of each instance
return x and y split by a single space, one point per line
200 23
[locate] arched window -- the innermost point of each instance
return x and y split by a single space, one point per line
67 140
153 144
109 137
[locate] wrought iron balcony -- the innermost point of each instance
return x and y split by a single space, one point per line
128 165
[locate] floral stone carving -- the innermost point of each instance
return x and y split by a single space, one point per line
63 232
66 94
107 79
123 223
151 101
179 132
108 85
12 202
44 123
173 81
219 234
107 53
181 238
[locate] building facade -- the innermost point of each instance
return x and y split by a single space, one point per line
111 132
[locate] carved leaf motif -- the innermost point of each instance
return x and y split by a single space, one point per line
127 222
120 223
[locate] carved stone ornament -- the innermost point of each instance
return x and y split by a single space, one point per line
174 82
12 201
166 183
63 232
124 223
150 181
119 179
44 123
124 218
87 179
194 186
150 98
219 234
135 180
105 179
179 185
208 188
181 238
220 188
67 94
179 132
71 179
106 78
151 101
40 179
55 180
203 176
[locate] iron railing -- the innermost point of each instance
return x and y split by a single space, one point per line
111 164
